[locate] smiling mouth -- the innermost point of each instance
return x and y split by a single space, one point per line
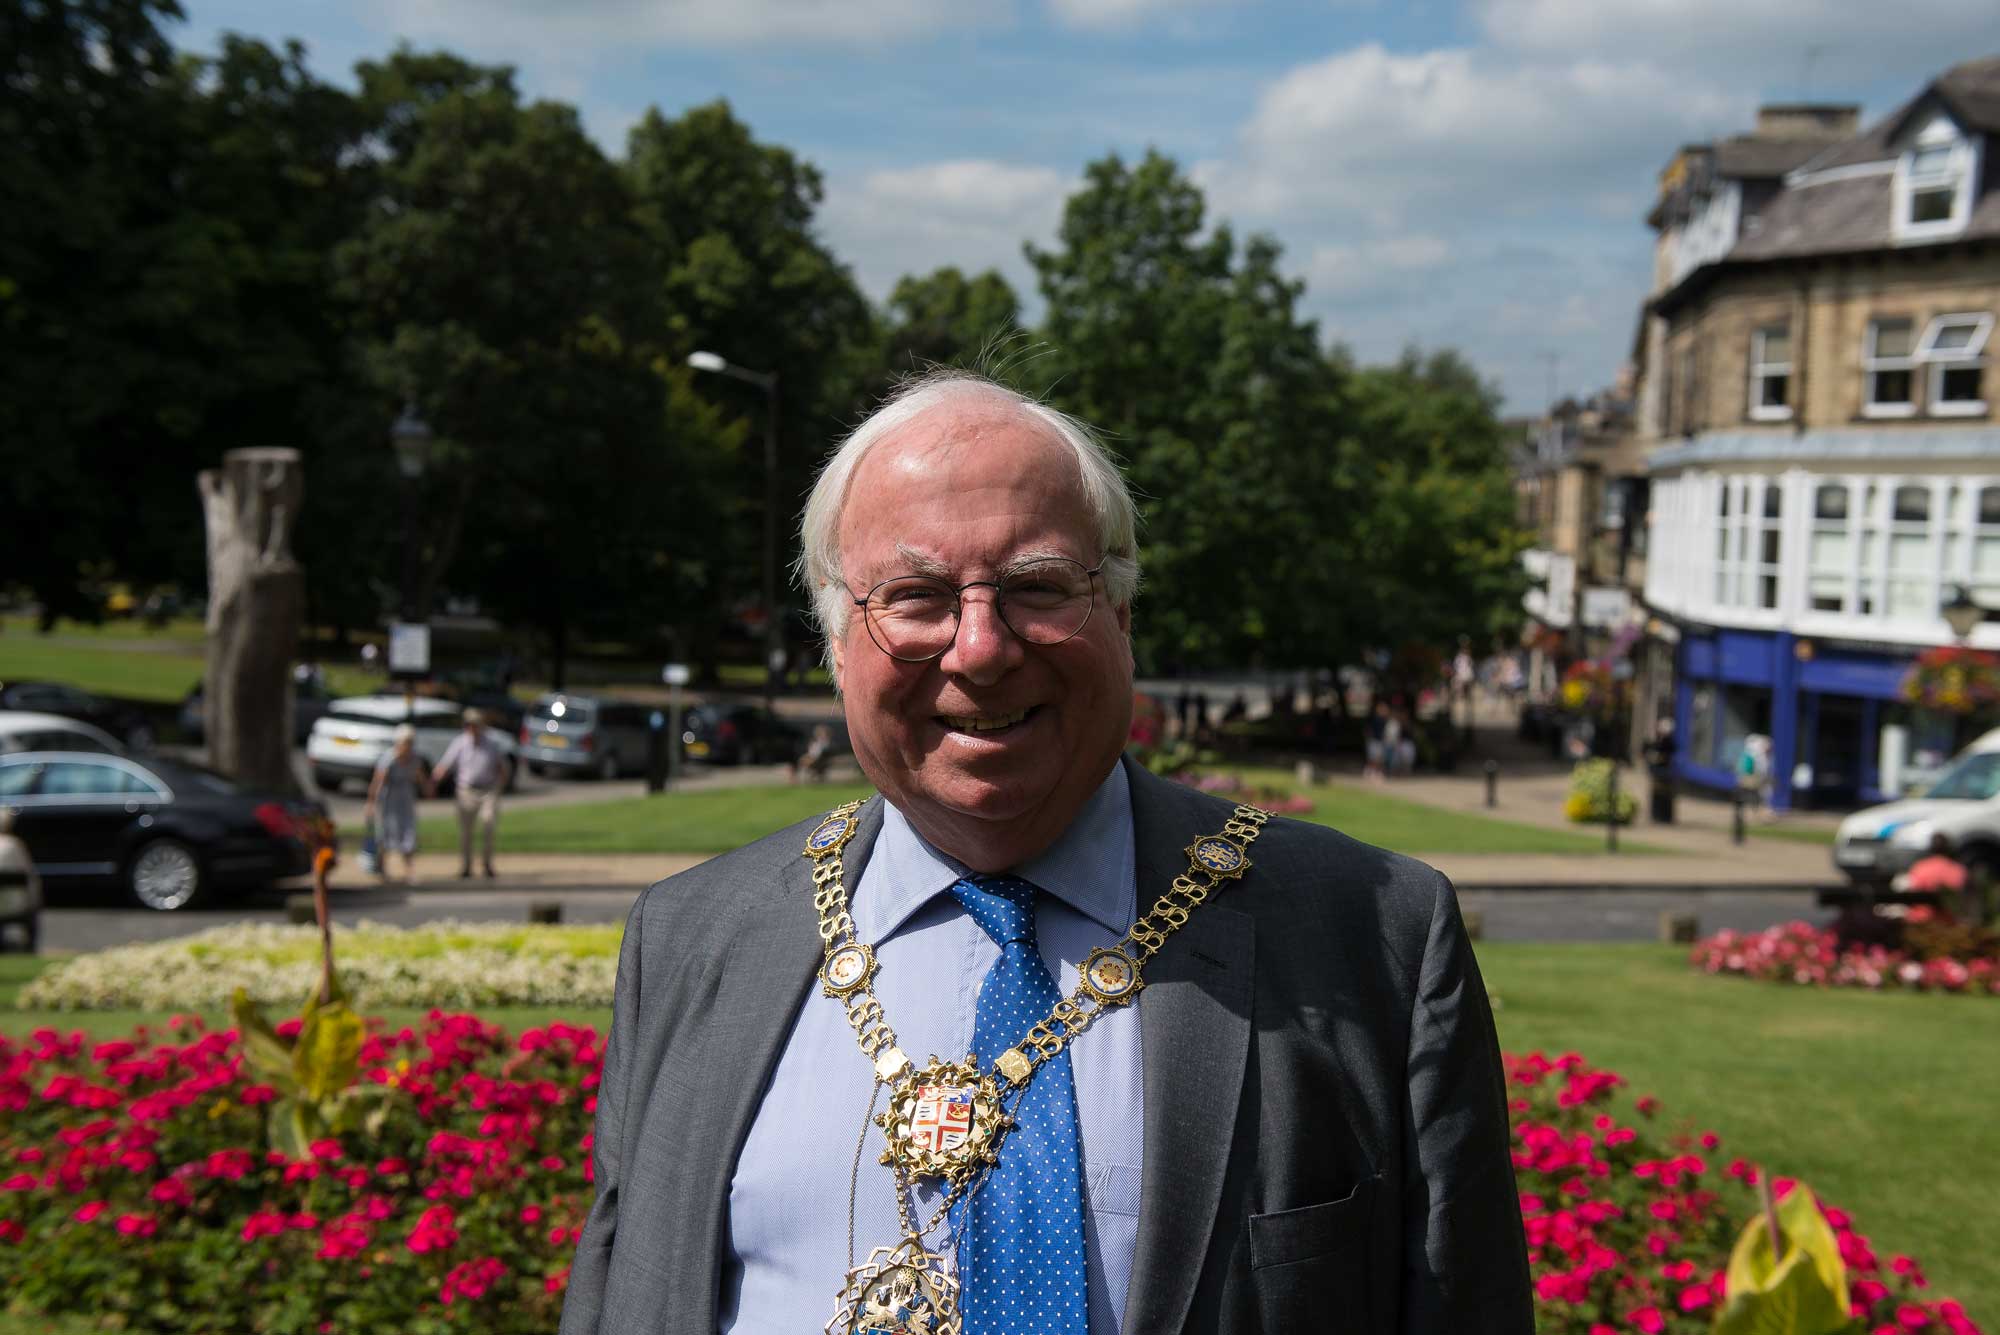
986 725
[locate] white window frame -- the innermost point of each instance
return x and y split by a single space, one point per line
1972 355
1960 170
1761 369
1872 365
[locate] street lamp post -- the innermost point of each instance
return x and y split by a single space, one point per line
1962 614
411 438
774 628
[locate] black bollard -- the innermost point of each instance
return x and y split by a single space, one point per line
1492 783
656 753
1736 830
545 911
1611 815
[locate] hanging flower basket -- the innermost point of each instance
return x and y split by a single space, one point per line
1954 680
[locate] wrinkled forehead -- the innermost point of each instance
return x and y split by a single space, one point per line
977 461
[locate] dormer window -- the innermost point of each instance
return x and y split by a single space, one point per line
1933 195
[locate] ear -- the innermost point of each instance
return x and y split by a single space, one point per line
837 647
1125 617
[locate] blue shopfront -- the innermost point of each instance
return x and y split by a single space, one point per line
1833 711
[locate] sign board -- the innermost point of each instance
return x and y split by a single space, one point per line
409 648
675 674
1606 609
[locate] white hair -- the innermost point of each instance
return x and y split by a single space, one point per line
1105 494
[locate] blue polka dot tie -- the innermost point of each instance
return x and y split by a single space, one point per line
1021 1254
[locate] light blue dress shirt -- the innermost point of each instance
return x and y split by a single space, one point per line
786 1250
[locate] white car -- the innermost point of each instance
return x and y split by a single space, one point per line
357 731
27 730
1880 843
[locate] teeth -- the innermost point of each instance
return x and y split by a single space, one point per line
984 722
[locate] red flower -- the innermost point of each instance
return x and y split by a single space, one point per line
136 1225
435 1230
85 1213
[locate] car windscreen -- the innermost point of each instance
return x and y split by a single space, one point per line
577 712
1974 778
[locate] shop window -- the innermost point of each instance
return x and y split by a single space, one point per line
1771 373
1701 725
1745 709
1889 363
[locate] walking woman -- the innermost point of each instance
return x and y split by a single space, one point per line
392 801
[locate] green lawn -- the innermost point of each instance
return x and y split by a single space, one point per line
130 665
715 820
1881 1101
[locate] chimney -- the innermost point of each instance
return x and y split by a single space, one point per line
1808 120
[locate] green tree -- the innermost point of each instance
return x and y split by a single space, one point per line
736 270
947 319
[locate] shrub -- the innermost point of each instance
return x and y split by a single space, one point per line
1798 952
1589 797
140 1185
1630 1229
446 964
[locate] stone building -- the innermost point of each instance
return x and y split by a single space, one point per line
1819 416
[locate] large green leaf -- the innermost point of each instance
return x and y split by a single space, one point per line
328 1054
267 1054
1803 1291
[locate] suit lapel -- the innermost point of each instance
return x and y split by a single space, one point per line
1195 1035
771 962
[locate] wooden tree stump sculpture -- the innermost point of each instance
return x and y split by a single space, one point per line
256 599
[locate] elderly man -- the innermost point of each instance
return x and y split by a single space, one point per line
1298 1125
479 771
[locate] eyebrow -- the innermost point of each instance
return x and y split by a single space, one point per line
922 563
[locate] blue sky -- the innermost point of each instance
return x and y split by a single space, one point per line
1472 173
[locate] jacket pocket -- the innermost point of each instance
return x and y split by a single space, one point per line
1309 1266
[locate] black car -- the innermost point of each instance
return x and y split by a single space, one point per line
173 836
310 700
727 734
127 723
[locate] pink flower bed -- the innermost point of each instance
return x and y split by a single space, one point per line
1630 1230
1801 953
136 1183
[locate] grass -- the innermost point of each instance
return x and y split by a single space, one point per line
1802 834
1884 1102
130 665
716 820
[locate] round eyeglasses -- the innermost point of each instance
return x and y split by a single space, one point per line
914 618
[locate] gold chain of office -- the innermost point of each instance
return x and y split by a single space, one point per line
947 1119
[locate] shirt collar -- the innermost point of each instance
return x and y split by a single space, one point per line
1089 868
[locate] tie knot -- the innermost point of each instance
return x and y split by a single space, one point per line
1004 906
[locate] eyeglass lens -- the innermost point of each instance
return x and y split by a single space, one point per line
915 617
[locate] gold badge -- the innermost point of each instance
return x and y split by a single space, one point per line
900 1290
1219 856
1110 976
944 1121
847 968
832 834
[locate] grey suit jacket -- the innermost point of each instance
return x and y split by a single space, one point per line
1326 1144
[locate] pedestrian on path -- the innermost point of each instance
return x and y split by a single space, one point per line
392 801
479 771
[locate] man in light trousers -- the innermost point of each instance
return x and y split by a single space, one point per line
479 771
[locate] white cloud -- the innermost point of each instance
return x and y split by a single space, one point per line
580 28
1370 266
1772 45
973 213
1116 14
1390 138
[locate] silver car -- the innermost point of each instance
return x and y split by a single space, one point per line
594 735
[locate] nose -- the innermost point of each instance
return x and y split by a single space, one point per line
985 650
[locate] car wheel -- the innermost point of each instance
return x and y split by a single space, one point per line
538 769
326 781
165 875
607 768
